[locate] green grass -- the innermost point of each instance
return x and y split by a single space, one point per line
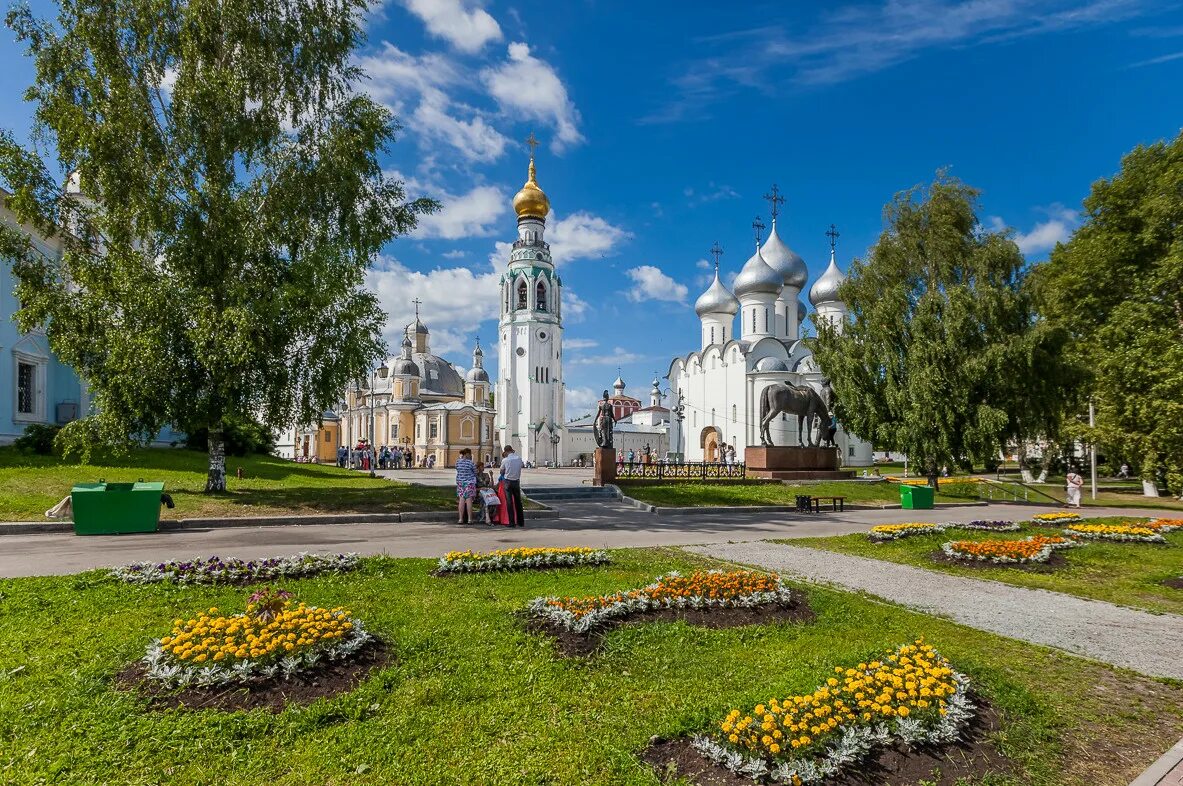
723 494
474 699
30 485
1124 573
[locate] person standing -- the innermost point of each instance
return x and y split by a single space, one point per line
1075 483
511 475
465 487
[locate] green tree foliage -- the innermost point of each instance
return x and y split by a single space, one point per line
942 357
229 202
1117 288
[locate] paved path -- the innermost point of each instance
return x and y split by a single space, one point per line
1138 640
600 524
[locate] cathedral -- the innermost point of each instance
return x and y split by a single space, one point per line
720 383
530 351
417 400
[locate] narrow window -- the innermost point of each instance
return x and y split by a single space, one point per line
523 294
435 429
733 413
26 380
765 320
712 335
753 320
540 297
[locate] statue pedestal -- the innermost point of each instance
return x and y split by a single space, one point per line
604 472
794 463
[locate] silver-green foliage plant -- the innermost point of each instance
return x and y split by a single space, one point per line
224 204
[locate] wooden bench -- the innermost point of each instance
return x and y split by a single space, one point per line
837 504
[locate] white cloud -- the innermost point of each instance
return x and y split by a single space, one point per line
580 401
579 343
464 27
853 40
582 235
1044 236
396 78
395 75
649 283
618 357
575 308
529 88
702 264
474 138
474 214
454 254
1157 60
455 301
713 193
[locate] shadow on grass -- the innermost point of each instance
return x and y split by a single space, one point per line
326 500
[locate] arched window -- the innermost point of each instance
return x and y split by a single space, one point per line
753 320
540 297
733 413
523 295
765 320
505 290
712 334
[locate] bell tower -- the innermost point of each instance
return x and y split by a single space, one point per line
530 341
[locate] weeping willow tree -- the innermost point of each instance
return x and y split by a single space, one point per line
225 204
943 356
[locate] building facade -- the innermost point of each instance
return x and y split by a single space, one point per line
720 384
35 387
637 428
530 393
422 403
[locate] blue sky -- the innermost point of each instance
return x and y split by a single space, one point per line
663 123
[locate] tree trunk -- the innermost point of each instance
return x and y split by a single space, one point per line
216 477
1021 454
934 478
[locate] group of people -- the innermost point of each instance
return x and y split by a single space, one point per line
384 457
480 499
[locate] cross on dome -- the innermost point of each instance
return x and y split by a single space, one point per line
758 225
776 200
832 234
716 252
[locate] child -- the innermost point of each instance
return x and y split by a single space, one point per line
487 496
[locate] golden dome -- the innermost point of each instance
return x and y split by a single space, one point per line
531 201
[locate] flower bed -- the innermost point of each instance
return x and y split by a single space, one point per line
214 570
713 589
988 526
1163 525
273 638
883 532
911 696
1059 517
1119 532
520 559
1037 548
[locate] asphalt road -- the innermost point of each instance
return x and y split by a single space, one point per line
597 524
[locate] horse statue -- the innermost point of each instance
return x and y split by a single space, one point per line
800 400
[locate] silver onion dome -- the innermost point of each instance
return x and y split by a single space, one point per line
771 364
801 311
477 374
825 289
784 260
405 367
757 276
716 300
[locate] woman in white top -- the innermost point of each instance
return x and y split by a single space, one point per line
1075 482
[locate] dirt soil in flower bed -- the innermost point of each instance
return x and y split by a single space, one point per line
451 574
1174 583
331 679
574 645
1055 562
972 758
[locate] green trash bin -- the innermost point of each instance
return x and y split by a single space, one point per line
916 497
112 508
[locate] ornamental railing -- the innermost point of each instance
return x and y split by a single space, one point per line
531 244
688 470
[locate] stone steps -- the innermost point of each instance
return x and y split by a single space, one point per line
548 494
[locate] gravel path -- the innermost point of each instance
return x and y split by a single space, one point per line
1137 640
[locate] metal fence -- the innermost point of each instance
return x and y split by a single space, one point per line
689 470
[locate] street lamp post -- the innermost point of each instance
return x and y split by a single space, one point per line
379 373
554 441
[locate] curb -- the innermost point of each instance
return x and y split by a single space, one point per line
175 525
1155 774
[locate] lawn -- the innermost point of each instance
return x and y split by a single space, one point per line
472 698
730 494
1124 573
270 486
